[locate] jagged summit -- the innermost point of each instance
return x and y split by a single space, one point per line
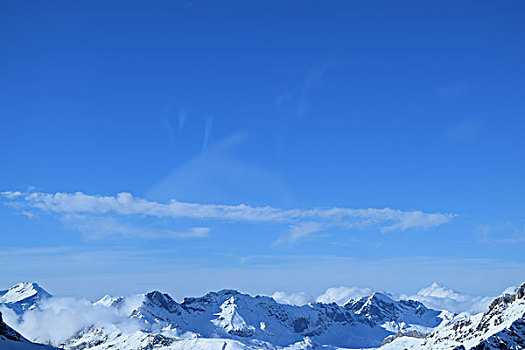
502 326
162 300
23 296
214 295
234 315
381 309
231 319
108 301
375 297
22 291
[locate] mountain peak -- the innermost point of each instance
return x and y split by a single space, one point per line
22 291
109 301
381 309
379 296
223 293
162 300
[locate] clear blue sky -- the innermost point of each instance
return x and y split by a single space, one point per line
409 105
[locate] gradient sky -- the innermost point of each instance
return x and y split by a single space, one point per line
414 106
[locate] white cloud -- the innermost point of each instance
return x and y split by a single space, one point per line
434 296
94 227
11 194
299 231
28 214
438 297
508 232
292 298
303 221
59 318
340 295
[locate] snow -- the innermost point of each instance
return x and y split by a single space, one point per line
22 291
504 319
232 320
109 301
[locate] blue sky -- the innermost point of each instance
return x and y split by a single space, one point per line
288 108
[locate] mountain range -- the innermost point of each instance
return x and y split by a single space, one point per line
229 319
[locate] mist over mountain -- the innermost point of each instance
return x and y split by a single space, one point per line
231 319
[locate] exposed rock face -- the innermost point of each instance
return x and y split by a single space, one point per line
512 337
260 320
379 309
228 313
230 319
501 327
7 332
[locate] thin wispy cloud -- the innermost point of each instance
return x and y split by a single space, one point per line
303 222
34 251
94 227
509 232
300 231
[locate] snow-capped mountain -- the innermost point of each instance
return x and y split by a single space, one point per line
394 315
12 340
23 296
259 322
501 327
109 301
229 319
232 315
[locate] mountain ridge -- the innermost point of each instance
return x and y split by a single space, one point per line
23 296
237 320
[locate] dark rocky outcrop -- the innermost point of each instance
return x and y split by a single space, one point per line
7 332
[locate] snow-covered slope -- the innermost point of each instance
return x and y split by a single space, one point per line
229 319
394 315
23 296
501 327
109 301
230 314
258 322
12 340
